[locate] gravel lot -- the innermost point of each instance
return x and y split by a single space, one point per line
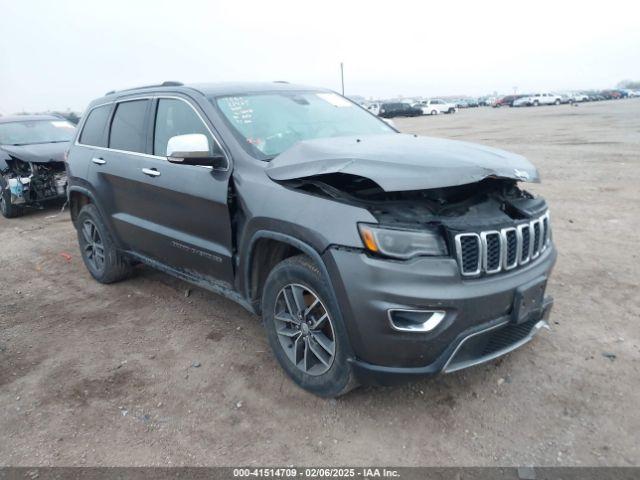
139 373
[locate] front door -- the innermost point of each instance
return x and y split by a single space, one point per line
186 217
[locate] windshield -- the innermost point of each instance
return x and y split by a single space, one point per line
270 123
36 131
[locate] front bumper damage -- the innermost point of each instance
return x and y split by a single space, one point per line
484 317
30 183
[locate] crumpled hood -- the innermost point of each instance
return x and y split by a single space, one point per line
399 162
38 153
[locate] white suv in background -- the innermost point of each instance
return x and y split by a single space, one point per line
536 99
436 106
578 97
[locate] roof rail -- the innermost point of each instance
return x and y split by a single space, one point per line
169 83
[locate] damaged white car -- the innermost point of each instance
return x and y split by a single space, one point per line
32 170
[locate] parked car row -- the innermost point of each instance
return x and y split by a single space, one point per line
434 106
546 98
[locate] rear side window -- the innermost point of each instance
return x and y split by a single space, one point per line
93 130
127 127
175 117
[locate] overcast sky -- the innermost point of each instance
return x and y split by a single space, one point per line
61 54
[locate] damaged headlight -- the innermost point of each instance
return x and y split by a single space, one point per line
402 244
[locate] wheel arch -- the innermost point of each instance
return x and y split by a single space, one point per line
267 249
78 198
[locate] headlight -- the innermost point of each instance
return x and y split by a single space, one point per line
402 244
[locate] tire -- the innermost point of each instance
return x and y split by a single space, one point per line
6 207
557 102
300 278
536 104
434 112
98 249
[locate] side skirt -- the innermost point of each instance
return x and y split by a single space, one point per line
218 287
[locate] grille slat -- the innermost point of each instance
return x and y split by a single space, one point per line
525 254
493 251
535 233
492 244
510 243
468 248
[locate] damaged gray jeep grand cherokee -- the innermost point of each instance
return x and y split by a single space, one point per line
371 255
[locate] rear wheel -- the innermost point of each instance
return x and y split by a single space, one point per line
98 249
6 207
305 328
557 102
434 112
536 103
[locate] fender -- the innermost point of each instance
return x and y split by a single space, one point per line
89 193
294 242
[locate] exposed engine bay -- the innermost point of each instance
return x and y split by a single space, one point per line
489 202
31 182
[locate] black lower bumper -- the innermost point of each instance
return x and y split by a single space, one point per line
475 346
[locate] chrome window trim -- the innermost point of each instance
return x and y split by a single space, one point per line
458 242
505 252
485 259
147 155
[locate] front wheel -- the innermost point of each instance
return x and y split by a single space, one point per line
305 329
6 207
434 112
557 102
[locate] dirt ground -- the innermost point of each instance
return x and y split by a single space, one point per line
139 373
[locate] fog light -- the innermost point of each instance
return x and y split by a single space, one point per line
419 321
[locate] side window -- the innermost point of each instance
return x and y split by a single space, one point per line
127 127
93 130
175 117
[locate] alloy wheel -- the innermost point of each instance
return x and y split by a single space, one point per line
305 329
93 247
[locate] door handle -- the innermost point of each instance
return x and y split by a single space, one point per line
98 161
152 172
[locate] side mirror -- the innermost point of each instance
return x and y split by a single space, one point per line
193 149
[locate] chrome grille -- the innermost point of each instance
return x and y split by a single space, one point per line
493 251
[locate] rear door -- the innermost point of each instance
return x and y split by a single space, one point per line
186 222
90 145
114 170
